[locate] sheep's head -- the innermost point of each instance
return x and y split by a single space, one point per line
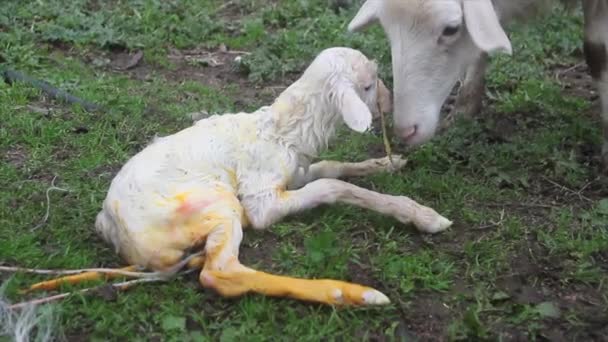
350 80
432 43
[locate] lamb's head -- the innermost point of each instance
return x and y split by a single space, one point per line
432 43
350 84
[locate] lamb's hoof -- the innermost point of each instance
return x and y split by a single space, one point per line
353 294
432 222
439 225
374 297
398 162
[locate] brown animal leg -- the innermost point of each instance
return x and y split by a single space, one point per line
470 95
596 54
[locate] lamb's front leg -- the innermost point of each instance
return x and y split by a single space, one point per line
265 209
336 169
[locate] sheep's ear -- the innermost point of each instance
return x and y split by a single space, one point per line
484 27
367 15
354 111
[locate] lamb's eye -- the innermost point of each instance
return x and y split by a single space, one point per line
450 30
368 87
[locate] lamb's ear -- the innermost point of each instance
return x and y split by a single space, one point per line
484 27
367 15
354 111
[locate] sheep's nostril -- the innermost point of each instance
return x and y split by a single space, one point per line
407 133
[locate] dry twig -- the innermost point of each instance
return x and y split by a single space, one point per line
520 205
560 73
492 223
121 286
70 272
147 275
385 139
48 203
12 76
565 188
118 286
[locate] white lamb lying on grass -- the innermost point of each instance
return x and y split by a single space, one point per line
196 190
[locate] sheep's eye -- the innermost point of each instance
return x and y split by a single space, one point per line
368 87
450 30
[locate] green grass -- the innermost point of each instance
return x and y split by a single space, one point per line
529 207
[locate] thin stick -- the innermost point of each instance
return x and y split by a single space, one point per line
520 205
387 144
125 285
48 203
71 272
11 76
171 271
119 286
215 53
232 52
559 74
493 223
223 6
563 187
586 186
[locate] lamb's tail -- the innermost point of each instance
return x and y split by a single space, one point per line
28 323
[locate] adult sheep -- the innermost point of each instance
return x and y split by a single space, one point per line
434 43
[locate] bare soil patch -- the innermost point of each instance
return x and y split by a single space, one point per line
218 69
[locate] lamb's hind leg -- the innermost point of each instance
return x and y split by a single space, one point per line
224 273
596 54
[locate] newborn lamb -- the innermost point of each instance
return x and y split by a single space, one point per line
197 189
